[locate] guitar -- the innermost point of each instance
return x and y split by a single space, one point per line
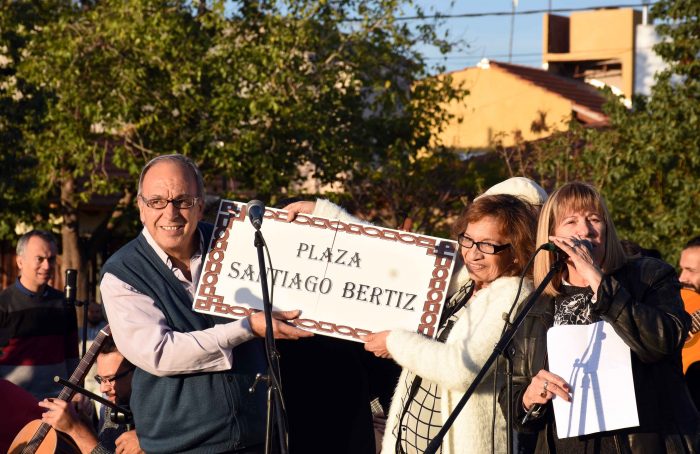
691 349
39 437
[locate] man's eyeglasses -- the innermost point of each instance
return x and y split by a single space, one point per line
110 380
180 202
486 248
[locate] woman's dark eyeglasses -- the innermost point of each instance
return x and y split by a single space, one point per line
180 202
110 380
486 248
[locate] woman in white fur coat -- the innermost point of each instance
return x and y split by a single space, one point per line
496 237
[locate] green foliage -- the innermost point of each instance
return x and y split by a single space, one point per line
21 107
679 23
652 184
424 194
113 78
650 156
255 92
338 86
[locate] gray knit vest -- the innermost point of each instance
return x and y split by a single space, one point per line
193 413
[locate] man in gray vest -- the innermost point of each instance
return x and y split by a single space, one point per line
190 388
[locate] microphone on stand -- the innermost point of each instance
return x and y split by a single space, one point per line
256 212
276 426
71 287
70 291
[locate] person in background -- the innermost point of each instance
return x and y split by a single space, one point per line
96 321
633 250
42 329
690 292
690 265
114 375
639 298
521 187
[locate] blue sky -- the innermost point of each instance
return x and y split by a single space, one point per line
488 37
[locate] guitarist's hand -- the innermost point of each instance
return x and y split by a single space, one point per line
62 416
128 443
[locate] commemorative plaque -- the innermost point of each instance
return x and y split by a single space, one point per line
348 279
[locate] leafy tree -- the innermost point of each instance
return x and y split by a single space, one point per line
255 92
21 107
650 156
353 102
109 78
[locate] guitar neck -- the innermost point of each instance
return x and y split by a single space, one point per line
85 363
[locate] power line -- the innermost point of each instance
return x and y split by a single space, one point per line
459 57
535 54
509 13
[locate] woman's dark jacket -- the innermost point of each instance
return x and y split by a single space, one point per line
641 300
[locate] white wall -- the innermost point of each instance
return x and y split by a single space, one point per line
646 61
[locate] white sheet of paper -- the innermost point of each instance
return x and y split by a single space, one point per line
597 365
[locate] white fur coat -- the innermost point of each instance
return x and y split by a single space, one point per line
453 365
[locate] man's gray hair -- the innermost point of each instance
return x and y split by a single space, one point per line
43 234
183 161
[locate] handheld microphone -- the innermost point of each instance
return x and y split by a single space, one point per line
70 288
256 212
551 247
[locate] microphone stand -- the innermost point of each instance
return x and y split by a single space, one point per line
70 290
509 409
121 414
499 349
85 324
275 405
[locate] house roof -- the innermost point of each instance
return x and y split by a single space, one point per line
587 101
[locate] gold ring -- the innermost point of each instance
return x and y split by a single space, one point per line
543 394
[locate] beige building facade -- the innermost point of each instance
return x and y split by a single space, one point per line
593 46
507 103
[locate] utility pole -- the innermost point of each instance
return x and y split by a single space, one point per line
514 5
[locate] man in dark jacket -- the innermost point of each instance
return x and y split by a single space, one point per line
42 330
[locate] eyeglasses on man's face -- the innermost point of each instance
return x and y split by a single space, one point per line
158 203
111 380
486 248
